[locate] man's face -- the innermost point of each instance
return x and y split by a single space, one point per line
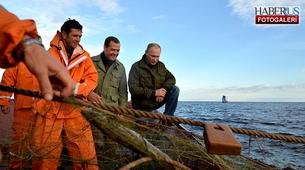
153 55
112 51
72 39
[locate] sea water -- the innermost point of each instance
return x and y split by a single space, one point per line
285 118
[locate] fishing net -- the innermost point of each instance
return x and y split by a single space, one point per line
120 140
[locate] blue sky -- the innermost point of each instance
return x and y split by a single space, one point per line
212 47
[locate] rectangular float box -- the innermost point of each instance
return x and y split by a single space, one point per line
219 139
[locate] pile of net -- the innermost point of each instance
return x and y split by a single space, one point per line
127 142
127 139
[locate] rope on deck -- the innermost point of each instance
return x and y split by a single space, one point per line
169 119
172 119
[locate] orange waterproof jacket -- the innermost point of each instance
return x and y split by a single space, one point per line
20 77
12 31
82 71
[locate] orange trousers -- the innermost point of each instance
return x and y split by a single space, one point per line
23 122
48 143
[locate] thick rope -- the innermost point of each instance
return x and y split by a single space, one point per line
30 93
169 119
172 119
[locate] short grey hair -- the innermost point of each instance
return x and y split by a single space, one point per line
150 45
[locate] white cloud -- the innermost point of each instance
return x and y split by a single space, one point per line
132 28
98 17
303 71
245 8
288 92
159 17
108 6
94 49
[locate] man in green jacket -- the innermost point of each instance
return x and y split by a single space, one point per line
111 88
112 83
151 85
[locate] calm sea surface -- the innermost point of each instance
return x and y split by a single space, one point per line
286 118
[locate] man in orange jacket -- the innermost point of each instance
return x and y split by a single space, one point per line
59 122
17 43
23 119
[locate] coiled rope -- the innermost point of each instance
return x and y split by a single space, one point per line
169 119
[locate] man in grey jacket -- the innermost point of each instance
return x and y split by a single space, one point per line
150 83
112 83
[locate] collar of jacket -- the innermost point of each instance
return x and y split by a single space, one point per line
99 62
106 61
159 67
77 56
143 63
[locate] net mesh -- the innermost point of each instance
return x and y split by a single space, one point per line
180 145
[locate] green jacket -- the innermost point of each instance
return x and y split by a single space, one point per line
112 85
144 80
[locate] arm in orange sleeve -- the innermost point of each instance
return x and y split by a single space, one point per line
9 78
88 81
12 31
